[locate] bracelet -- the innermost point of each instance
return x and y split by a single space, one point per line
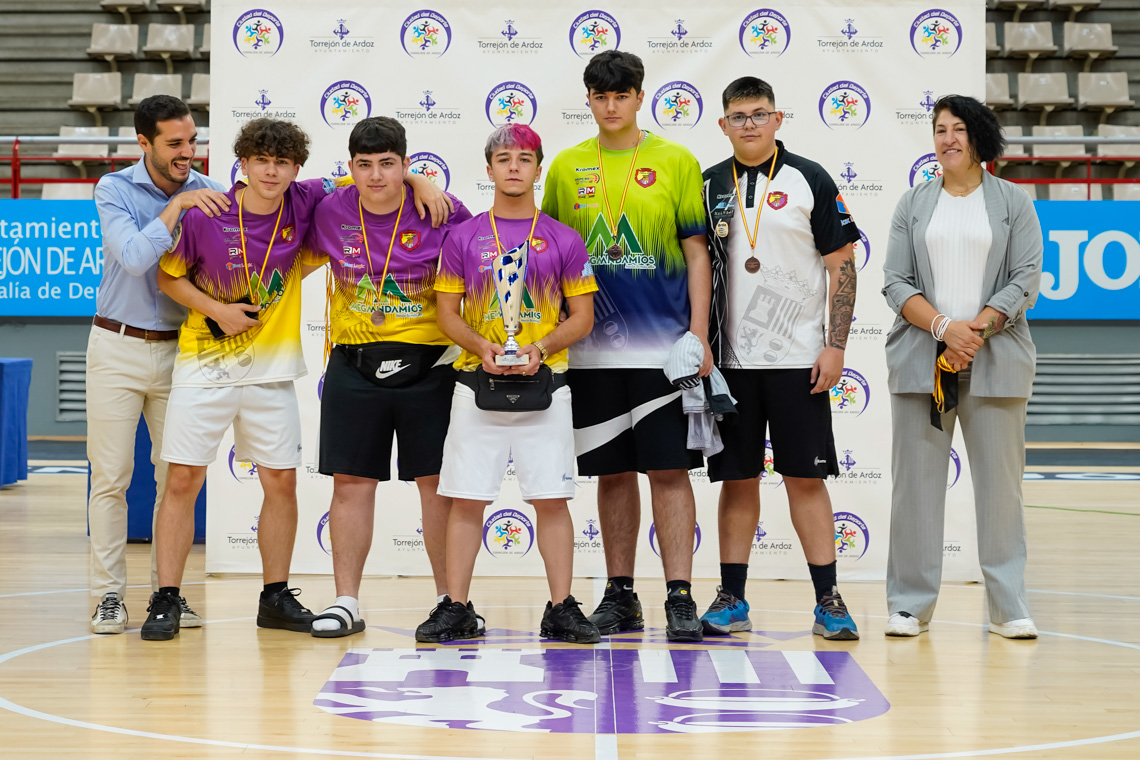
541 349
936 316
941 330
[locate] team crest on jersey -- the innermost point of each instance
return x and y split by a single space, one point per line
538 245
287 234
410 240
777 200
645 177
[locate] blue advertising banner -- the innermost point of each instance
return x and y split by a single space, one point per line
51 258
1092 260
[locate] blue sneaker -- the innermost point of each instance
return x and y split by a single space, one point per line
726 615
832 621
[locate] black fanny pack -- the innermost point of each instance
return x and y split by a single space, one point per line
513 393
392 365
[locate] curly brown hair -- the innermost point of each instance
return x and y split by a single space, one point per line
272 137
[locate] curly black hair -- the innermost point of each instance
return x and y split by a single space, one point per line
272 137
987 142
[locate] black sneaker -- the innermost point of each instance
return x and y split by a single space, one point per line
282 610
681 621
565 621
618 611
449 621
162 622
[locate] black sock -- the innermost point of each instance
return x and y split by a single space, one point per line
685 586
733 576
823 578
274 588
172 590
621 584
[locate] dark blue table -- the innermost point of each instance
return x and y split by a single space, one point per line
15 380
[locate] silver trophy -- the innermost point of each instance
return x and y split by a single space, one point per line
510 274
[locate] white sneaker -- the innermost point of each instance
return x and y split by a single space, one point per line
1022 628
189 618
905 624
110 616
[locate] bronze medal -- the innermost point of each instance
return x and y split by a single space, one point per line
752 265
378 318
722 229
614 251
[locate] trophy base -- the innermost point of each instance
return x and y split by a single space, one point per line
511 360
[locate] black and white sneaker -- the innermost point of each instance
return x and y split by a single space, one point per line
281 610
618 611
189 618
449 621
110 616
162 622
681 621
564 621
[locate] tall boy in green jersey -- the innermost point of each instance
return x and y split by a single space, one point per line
635 198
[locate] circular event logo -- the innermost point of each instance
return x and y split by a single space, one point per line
657 550
765 32
852 394
242 471
345 103
324 535
936 34
511 103
768 475
235 172
431 166
956 469
925 169
678 104
258 32
862 248
844 105
321 387
425 33
851 536
508 533
594 31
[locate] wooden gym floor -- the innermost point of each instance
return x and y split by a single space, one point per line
230 690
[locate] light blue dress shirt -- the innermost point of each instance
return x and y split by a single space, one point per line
134 239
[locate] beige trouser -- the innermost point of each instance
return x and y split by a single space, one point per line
126 377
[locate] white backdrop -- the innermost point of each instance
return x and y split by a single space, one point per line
856 81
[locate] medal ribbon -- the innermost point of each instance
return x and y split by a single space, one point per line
529 237
624 190
755 231
391 243
244 260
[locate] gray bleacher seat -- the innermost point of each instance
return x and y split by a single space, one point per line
199 91
1118 130
68 191
1031 40
1067 149
204 50
997 91
1089 41
181 7
87 150
202 150
131 151
1107 90
125 7
1030 190
91 92
1044 91
155 84
1075 192
992 48
1013 150
1129 192
112 42
1073 6
168 42
1018 6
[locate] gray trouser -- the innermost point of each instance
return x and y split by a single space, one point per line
994 432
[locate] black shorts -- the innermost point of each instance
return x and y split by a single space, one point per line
358 420
619 428
798 423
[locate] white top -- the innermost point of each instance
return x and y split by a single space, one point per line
959 238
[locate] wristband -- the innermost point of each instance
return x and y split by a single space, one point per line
936 317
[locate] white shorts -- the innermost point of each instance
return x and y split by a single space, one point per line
266 420
481 444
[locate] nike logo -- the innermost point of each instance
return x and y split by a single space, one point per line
389 368
820 461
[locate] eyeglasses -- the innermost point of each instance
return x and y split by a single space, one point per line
760 118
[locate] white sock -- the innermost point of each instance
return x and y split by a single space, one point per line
439 599
349 603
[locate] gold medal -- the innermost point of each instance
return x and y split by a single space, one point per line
722 229
614 251
752 265
377 317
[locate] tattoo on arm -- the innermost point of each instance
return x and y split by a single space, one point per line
842 306
994 326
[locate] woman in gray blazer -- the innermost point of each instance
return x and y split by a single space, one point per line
963 266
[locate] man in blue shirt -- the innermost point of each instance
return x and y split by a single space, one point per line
130 353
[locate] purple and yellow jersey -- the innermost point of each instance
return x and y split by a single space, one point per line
407 295
208 251
558 267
